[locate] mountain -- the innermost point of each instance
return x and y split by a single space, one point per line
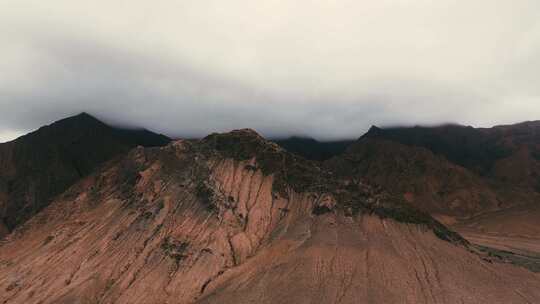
36 167
505 153
312 149
426 180
475 149
452 170
234 218
484 182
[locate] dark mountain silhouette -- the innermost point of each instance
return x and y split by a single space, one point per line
36 167
310 148
451 168
478 150
426 180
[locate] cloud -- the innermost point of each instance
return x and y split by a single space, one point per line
327 69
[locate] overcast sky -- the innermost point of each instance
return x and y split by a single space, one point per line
327 69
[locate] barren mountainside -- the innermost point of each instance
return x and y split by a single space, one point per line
234 218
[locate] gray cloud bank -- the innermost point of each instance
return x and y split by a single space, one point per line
327 69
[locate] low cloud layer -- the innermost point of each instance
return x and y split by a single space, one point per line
327 69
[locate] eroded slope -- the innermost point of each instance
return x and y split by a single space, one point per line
235 219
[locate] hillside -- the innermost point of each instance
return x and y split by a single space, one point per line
505 153
38 166
427 181
233 218
481 182
452 170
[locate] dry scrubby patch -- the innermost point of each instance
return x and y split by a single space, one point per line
175 249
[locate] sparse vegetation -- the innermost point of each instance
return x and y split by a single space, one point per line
206 195
48 239
536 155
529 262
320 210
176 250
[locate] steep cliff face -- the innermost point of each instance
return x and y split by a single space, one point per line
36 167
235 219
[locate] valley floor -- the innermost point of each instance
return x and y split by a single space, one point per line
512 234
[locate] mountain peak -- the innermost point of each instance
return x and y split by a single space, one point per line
82 117
240 144
68 149
84 114
247 132
373 131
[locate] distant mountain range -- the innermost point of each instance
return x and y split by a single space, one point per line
312 149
